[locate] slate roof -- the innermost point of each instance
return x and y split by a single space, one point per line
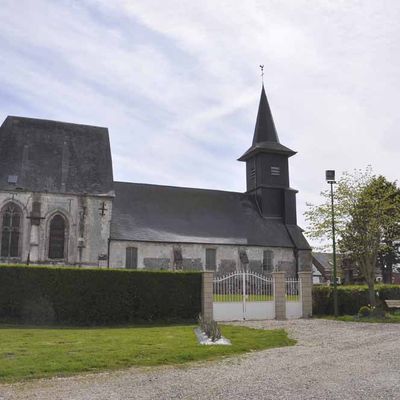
265 139
324 263
143 212
57 157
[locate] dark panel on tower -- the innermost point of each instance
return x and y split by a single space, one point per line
251 174
272 169
290 207
272 202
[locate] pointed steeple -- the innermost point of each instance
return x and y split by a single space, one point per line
265 130
265 139
267 169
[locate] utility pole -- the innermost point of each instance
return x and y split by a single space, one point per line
330 178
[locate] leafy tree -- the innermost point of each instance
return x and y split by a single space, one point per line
374 221
319 217
389 256
351 212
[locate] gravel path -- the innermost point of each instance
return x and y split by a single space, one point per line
332 360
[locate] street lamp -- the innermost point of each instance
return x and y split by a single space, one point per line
330 178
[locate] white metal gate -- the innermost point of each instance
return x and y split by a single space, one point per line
293 298
243 295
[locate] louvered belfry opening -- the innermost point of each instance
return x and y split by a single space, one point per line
57 237
10 230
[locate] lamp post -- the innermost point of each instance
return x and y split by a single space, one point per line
330 178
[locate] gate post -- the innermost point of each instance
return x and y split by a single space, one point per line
279 294
207 295
306 293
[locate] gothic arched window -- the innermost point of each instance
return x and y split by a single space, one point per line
10 230
57 237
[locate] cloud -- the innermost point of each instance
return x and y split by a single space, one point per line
178 84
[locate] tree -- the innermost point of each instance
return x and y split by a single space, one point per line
367 221
389 256
319 217
374 222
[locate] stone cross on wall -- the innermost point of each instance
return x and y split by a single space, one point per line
103 209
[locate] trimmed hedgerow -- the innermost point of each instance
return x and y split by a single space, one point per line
63 295
350 298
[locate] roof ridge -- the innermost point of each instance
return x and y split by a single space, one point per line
51 121
177 187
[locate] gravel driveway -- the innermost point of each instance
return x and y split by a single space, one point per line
332 360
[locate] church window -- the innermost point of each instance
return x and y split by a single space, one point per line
267 261
57 237
244 259
131 259
10 230
211 259
275 171
178 259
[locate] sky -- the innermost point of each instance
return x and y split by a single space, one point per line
178 83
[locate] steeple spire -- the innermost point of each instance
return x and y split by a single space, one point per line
265 139
265 130
267 169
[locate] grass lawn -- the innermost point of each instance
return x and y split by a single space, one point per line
292 297
223 298
42 352
390 318
233 298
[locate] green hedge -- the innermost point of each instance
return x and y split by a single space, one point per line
350 298
63 295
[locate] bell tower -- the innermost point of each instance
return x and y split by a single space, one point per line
267 169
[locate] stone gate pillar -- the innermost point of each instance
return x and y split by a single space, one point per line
305 278
207 295
279 294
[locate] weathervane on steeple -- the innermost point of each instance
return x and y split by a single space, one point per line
262 73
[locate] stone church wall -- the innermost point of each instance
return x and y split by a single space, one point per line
156 256
86 232
305 260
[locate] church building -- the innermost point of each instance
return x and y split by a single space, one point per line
60 205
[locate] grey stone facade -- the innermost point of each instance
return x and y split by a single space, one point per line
160 256
84 220
86 228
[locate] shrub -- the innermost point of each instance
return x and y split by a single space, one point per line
378 312
388 292
38 311
364 311
210 328
373 312
96 296
350 298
